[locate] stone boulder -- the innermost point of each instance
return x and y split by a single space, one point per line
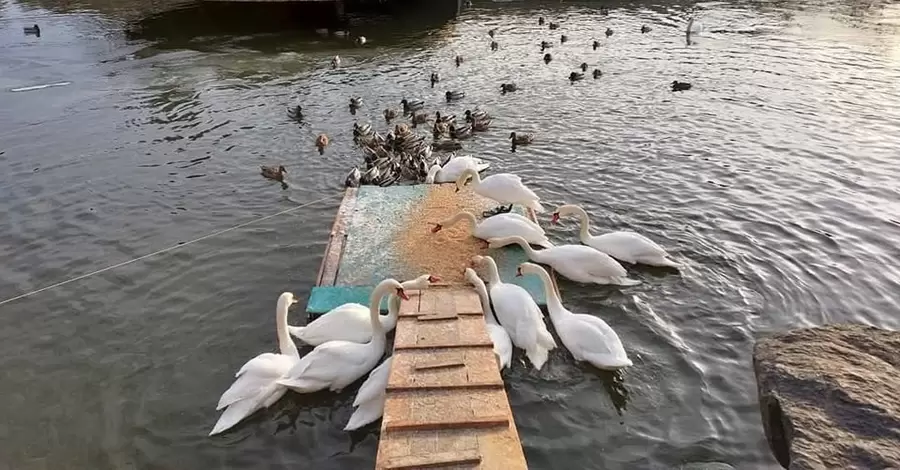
830 397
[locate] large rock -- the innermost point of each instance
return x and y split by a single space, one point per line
830 397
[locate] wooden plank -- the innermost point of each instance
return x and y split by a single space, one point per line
432 317
459 386
443 346
332 259
474 423
436 460
440 365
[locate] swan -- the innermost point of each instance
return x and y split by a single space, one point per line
454 167
336 364
499 336
255 386
350 322
587 337
370 398
498 226
624 246
505 188
519 314
577 262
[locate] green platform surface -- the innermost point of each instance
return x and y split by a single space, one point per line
368 257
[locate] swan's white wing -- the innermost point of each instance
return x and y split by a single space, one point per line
589 338
501 227
627 246
349 322
368 412
502 344
255 375
521 218
512 304
329 361
587 260
375 384
243 408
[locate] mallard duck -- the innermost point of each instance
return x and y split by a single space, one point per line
356 102
444 119
446 145
604 11
35 30
295 113
554 25
609 32
335 61
545 45
563 38
597 73
645 29
321 143
460 133
476 115
584 66
352 180
274 172
596 45
459 60
434 78
361 40
494 45
481 126
390 114
680 86
491 33
576 76
521 139
418 118
455 95
508 87
547 58
440 129
411 106
541 21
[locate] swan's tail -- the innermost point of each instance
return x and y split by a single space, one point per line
236 412
538 356
666 262
624 281
545 244
302 385
368 412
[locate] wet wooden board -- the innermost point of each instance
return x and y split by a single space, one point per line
446 406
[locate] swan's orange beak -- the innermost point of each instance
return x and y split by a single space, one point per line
402 294
555 218
437 228
519 272
433 279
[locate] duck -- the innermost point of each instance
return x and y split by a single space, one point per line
446 145
587 337
499 226
459 60
520 138
256 383
508 87
455 95
629 247
444 118
335 61
609 32
576 262
481 126
460 133
35 30
518 313
494 45
418 118
356 102
554 25
680 86
350 322
499 336
575 76
545 45
597 73
477 115
370 398
596 45
321 143
353 178
541 21
440 129
604 11
276 173
295 113
645 29
434 78
454 168
390 114
335 364
504 188
563 39
584 66
491 33
361 41
410 106
547 58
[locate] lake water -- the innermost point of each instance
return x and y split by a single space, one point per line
774 180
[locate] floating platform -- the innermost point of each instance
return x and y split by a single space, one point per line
386 232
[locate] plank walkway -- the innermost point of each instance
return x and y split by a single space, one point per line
446 406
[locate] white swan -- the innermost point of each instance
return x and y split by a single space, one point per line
519 314
350 322
371 396
336 364
629 247
255 386
577 262
499 336
587 337
454 168
498 226
505 188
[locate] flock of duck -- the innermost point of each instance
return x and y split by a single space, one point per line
350 340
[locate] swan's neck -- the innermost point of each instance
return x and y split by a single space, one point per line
585 225
378 334
432 174
492 273
476 178
285 343
554 304
533 254
485 302
393 312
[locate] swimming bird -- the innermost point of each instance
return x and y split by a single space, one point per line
547 58
390 114
460 133
584 66
499 336
477 115
295 113
273 172
459 60
629 247
491 33
33 30
256 384
587 337
434 78
440 129
541 21
444 118
609 32
353 178
370 398
604 10
481 126
554 25
453 168
356 102
361 40
336 364
645 29
518 313
545 45
410 106
597 73
596 45
321 143
504 188
680 86
574 76
521 139
446 145
336 62
563 39
494 45
418 118
455 95
508 87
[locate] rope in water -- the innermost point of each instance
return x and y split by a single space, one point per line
164 250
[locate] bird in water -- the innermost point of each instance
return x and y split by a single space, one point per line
547 58
434 78
680 86
355 103
321 143
597 73
604 11
574 76
518 139
545 45
494 45
275 173
584 66
541 21
418 118
390 114
554 25
459 60
455 95
508 88
361 41
336 62
295 113
596 45
609 32
563 38
477 115
411 106
459 133
33 30
491 33
444 118
645 29
481 126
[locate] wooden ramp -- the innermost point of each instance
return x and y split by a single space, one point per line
446 406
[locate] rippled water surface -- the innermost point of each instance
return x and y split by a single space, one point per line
774 180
